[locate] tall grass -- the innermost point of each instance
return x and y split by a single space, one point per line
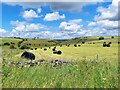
84 74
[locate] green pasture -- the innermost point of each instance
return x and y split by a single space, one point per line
96 67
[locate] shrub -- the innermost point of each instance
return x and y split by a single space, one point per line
24 47
18 45
101 38
112 37
7 43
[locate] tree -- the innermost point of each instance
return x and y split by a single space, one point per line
24 47
101 38
112 37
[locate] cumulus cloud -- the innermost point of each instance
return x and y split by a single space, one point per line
27 27
101 32
105 24
39 10
53 16
70 26
92 24
108 17
29 14
110 13
3 32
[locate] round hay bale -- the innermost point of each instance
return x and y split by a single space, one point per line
45 49
28 55
53 49
59 52
104 44
75 45
108 45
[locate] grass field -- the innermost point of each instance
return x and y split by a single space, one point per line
95 66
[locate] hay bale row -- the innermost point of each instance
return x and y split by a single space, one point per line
57 52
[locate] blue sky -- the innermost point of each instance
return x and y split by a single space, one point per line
59 20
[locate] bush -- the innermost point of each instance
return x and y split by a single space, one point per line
112 37
83 42
18 45
12 47
8 44
24 47
101 38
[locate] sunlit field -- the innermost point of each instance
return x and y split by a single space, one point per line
88 65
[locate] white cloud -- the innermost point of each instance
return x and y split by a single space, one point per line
39 10
107 17
110 13
75 21
3 32
29 14
101 32
53 16
105 24
67 26
29 27
92 24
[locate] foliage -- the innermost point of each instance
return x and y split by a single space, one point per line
112 37
24 47
7 43
12 47
101 38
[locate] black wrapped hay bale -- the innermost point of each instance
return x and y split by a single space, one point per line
108 45
59 52
75 45
104 44
28 55
54 49
45 49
